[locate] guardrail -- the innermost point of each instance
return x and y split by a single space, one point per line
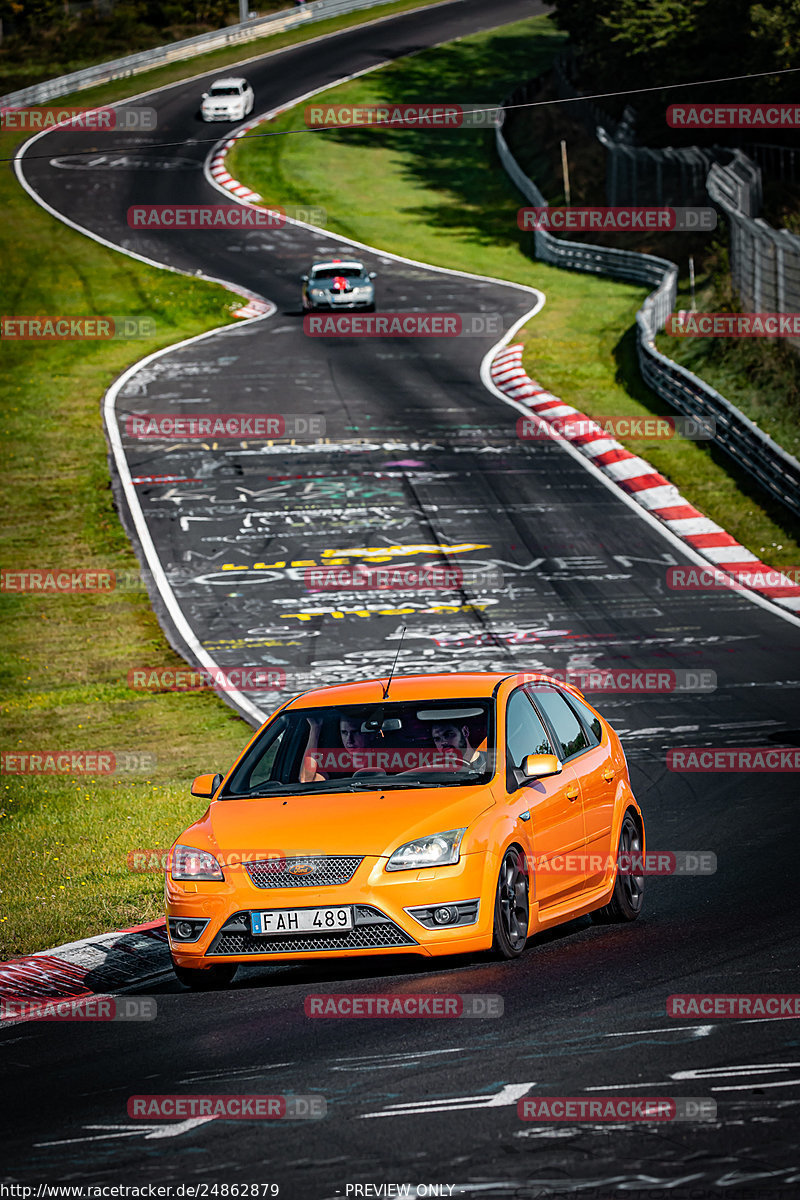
749 447
159 56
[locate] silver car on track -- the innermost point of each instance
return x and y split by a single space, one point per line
334 283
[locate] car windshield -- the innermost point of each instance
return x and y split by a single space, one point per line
348 270
357 748
225 89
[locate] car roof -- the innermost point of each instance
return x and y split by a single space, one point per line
454 685
228 81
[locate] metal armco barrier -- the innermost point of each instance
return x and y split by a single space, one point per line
159 56
749 447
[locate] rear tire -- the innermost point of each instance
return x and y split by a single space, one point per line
511 907
628 895
207 980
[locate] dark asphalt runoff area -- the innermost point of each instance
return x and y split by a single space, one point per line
421 460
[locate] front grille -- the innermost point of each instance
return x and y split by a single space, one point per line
327 872
372 931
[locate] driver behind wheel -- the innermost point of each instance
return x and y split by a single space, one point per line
448 736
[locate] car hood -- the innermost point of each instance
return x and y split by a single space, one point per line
337 822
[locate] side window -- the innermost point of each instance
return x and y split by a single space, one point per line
525 733
566 725
262 771
590 719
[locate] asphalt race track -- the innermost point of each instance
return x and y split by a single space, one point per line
421 458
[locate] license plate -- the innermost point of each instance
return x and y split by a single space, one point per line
301 920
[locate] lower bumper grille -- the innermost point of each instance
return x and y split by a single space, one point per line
372 931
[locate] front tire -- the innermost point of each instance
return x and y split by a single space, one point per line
511 906
207 980
628 895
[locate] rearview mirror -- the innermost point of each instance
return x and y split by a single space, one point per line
204 786
390 725
536 766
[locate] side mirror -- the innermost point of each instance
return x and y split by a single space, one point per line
205 785
373 275
304 278
537 766
205 95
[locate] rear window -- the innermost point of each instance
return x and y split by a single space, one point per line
562 720
590 719
334 272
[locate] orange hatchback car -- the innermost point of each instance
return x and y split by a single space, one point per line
429 815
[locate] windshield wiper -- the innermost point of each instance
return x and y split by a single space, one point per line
256 793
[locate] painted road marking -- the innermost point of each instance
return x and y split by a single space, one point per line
510 1093
150 1132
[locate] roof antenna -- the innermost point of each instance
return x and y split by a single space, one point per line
394 664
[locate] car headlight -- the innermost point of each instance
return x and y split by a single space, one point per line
188 863
436 850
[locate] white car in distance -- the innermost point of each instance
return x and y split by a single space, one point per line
229 99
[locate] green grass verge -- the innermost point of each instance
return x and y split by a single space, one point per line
64 660
761 376
442 197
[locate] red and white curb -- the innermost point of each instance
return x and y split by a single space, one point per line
93 966
643 483
223 177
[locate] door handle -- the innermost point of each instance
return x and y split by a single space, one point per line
609 774
573 793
